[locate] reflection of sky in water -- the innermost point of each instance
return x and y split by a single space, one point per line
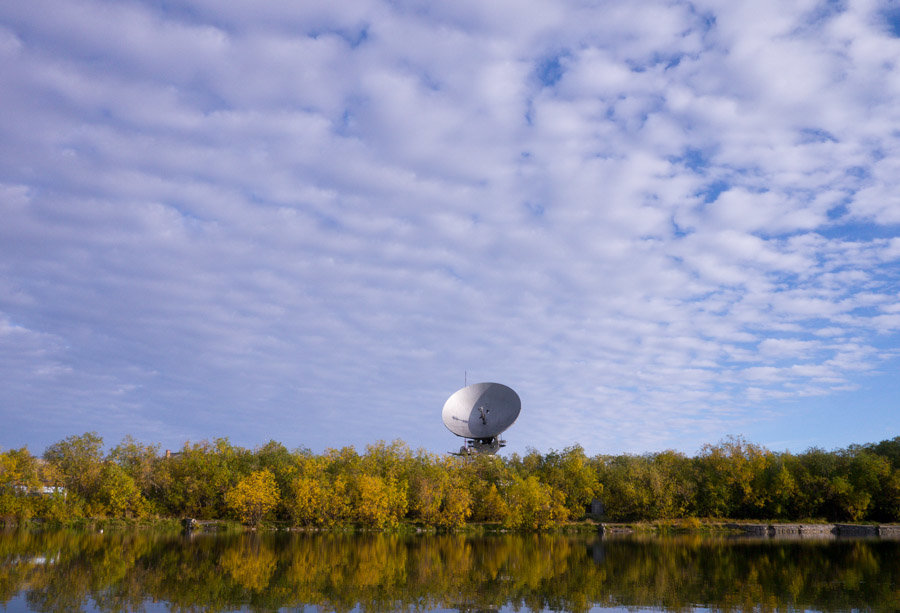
19 603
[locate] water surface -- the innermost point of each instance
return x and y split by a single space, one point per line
134 571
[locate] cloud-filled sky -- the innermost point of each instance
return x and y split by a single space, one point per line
661 222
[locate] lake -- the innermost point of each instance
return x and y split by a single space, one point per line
136 570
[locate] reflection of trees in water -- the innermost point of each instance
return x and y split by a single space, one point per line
377 572
249 564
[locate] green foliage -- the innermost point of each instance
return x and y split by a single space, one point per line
196 480
19 468
647 487
732 479
79 459
118 495
890 450
739 480
629 483
140 463
571 474
276 458
780 485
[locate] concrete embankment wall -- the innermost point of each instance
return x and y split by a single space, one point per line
892 531
801 530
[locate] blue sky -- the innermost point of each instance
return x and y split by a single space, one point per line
662 223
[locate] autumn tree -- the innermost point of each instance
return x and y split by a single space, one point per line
305 502
456 506
863 475
197 479
781 488
534 505
253 496
376 502
79 460
276 458
815 472
731 478
316 497
438 494
19 474
485 477
675 484
117 494
570 473
388 484
629 484
139 462
427 486
18 468
389 461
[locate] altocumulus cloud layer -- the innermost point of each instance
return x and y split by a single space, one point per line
660 222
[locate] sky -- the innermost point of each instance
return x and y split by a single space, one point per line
662 223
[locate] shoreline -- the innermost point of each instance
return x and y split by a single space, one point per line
671 527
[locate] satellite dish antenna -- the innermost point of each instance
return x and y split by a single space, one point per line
479 413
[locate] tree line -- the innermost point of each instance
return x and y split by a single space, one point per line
390 483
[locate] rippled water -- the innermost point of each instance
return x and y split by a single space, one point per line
133 571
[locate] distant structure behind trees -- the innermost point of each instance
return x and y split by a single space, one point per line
389 484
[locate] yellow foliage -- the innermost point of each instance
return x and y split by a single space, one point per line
456 505
250 566
377 502
487 503
118 495
534 505
439 496
254 496
305 503
371 501
318 501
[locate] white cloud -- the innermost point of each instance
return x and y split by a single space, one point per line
657 221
